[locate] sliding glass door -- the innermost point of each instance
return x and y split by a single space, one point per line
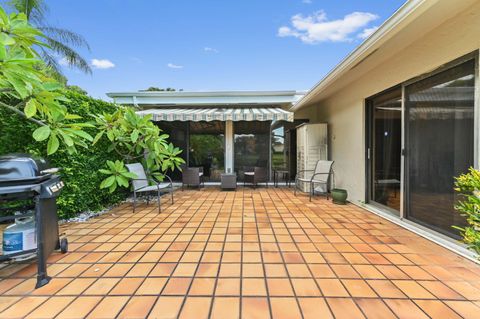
439 144
384 148
438 134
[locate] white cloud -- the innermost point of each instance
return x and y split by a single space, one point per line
208 49
174 66
102 64
316 28
367 32
307 1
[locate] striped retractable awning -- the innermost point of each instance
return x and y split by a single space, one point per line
219 114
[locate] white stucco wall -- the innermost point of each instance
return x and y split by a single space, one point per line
310 113
344 109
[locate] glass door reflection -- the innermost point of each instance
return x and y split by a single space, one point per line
251 146
440 139
385 148
207 148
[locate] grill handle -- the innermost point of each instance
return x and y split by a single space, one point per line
52 170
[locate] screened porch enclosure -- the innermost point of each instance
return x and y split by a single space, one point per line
206 148
251 146
223 131
253 143
228 140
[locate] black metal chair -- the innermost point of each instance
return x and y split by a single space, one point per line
192 176
258 175
141 184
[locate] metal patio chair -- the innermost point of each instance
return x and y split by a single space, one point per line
258 175
192 176
141 184
322 174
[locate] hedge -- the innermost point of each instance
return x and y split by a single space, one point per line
79 171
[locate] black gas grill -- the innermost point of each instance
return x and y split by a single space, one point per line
30 187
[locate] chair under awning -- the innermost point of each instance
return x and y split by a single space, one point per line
219 114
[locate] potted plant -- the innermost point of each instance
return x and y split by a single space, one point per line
339 196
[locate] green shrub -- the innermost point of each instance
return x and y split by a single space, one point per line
468 185
136 139
79 170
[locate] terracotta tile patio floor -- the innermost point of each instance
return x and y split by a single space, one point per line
251 254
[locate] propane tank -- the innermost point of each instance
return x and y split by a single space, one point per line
20 236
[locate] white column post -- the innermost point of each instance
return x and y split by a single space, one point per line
229 146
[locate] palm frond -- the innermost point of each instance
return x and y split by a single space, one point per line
65 36
71 56
60 40
49 59
52 64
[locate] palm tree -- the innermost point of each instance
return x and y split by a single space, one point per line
62 42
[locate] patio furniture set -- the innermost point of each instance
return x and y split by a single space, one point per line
317 180
194 176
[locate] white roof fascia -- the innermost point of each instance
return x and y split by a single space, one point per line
207 98
206 93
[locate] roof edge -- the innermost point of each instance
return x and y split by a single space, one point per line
204 93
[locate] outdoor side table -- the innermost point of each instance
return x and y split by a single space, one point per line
228 181
285 176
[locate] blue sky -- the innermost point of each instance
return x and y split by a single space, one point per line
214 44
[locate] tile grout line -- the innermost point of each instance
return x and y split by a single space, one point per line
51 296
214 297
283 258
255 213
144 277
334 222
354 299
342 283
202 253
314 279
241 250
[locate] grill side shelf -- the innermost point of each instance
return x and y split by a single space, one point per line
19 189
17 208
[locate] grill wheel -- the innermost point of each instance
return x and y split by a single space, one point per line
64 245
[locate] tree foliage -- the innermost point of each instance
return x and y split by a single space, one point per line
79 171
157 89
468 185
29 94
26 88
61 42
134 139
204 147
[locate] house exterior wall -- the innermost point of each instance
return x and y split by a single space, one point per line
344 110
309 113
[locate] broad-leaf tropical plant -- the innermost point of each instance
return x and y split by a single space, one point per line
468 185
27 90
117 173
135 139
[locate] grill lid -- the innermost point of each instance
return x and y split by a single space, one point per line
23 167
